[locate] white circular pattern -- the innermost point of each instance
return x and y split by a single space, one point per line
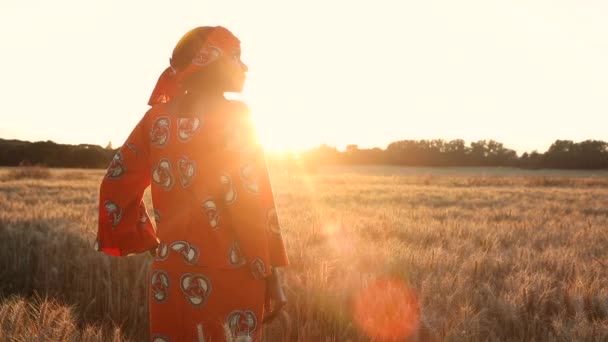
196 288
187 250
228 187
213 214
242 323
117 166
234 255
187 127
258 269
162 252
113 212
207 55
187 170
160 285
159 136
160 338
162 175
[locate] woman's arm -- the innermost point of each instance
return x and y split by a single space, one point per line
124 226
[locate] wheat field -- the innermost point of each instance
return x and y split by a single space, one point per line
414 256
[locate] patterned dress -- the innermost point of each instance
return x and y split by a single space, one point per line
217 229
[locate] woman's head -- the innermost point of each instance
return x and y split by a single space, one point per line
205 59
215 53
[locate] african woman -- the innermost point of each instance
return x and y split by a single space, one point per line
217 241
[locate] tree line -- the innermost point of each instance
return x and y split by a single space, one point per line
51 154
562 154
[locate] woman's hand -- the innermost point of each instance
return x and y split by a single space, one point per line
275 296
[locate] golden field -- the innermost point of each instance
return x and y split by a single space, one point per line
485 256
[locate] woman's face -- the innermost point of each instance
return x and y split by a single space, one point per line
233 70
226 74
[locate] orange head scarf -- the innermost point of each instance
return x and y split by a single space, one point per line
218 42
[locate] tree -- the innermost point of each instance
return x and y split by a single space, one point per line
456 152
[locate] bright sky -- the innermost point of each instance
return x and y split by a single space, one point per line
523 72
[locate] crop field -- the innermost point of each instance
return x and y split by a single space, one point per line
376 254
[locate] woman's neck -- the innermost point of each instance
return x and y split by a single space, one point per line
194 101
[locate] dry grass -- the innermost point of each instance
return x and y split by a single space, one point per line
488 259
27 172
47 320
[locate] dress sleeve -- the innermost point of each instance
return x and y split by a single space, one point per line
124 226
253 214
278 255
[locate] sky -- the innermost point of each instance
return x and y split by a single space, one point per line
522 72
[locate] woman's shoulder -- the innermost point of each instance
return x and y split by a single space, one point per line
228 109
155 113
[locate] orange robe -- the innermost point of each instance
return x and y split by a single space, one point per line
217 229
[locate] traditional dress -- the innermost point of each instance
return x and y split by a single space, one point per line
217 229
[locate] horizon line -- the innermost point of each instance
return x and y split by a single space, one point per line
300 150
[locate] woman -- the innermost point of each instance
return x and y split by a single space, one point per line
217 242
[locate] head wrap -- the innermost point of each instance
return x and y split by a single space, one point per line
219 41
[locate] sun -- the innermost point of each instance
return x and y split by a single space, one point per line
270 135
275 104
274 131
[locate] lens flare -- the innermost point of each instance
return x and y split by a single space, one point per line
330 229
386 310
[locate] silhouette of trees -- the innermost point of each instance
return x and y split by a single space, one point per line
562 154
49 153
588 154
